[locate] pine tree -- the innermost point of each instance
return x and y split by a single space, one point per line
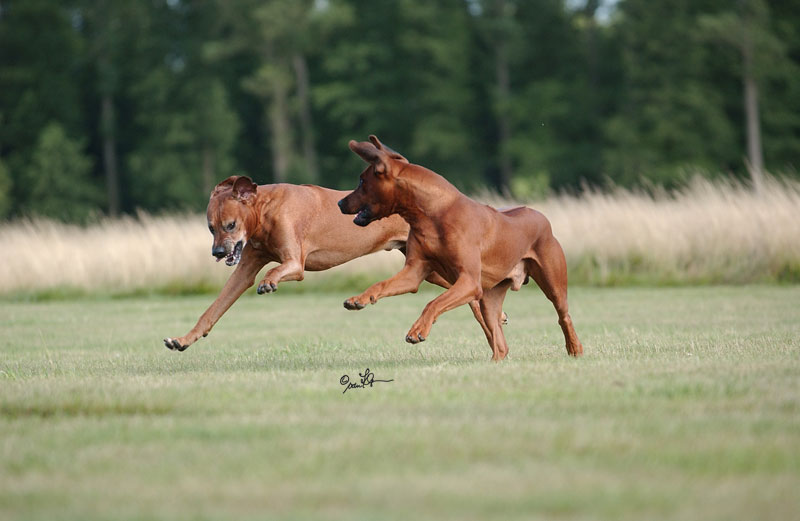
57 181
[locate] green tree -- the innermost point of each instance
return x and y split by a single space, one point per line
277 35
109 28
780 89
216 127
674 109
437 76
57 181
504 39
558 98
190 129
39 73
5 191
546 90
183 116
746 27
407 77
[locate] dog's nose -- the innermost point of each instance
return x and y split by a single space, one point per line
341 204
218 251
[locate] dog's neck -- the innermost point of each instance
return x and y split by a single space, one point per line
423 194
257 226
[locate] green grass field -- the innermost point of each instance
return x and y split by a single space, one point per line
685 406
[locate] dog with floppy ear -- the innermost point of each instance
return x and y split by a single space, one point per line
299 227
480 252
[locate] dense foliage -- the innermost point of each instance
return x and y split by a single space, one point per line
111 105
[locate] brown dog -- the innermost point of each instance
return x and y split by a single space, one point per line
296 226
480 252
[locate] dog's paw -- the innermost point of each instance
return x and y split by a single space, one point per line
174 344
418 332
267 287
353 304
414 339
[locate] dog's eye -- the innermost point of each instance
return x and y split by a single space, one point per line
231 226
360 182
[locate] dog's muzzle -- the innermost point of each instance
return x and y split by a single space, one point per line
363 217
232 256
363 214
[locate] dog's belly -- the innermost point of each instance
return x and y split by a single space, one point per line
321 260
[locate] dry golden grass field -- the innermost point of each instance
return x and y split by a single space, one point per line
707 232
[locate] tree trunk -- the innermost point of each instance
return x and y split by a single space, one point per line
280 129
109 153
306 122
590 12
503 94
755 155
208 169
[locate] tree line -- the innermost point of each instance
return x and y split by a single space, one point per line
109 106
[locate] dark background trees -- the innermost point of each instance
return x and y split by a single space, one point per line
107 106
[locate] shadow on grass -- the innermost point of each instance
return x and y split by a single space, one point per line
81 406
341 359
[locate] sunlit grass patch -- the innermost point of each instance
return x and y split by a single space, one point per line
685 406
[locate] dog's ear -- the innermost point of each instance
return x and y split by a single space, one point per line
375 153
370 154
391 153
224 185
244 188
375 141
394 155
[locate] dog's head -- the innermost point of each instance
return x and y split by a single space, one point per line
374 197
228 210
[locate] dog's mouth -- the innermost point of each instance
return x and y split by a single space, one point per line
363 217
235 255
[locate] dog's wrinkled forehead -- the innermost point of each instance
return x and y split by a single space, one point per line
214 205
222 207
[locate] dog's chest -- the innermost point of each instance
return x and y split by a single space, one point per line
427 243
261 246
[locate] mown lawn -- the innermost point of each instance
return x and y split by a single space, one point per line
685 406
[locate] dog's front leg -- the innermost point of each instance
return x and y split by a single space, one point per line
406 280
291 269
465 290
243 277
474 306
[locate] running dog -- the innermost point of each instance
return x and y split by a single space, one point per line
299 227
480 252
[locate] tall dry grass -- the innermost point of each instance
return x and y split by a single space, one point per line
709 231
163 254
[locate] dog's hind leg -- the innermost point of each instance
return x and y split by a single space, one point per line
549 269
491 306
